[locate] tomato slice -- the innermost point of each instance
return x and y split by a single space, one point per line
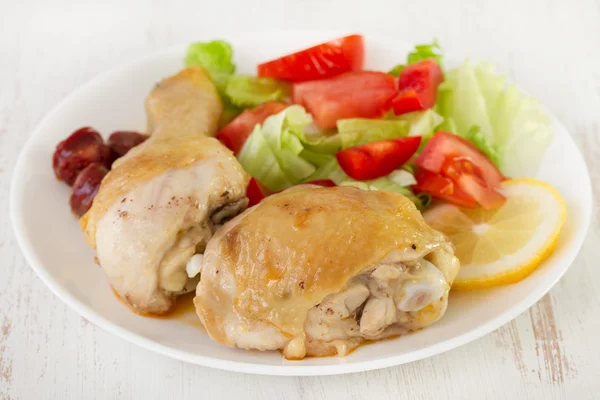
235 134
418 84
318 62
376 159
468 177
451 158
322 182
442 188
254 193
364 94
362 80
444 146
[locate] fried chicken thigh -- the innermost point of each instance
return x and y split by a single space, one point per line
316 271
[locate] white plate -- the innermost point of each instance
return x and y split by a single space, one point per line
54 246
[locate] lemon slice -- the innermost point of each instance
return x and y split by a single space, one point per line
506 244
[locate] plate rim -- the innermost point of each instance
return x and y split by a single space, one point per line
15 209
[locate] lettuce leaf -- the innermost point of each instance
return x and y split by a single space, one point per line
425 51
287 150
383 183
251 91
357 131
475 136
329 170
422 123
402 177
352 132
399 181
514 131
387 184
397 70
319 142
317 159
229 112
272 153
215 57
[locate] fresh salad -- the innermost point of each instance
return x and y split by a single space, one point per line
460 143
419 129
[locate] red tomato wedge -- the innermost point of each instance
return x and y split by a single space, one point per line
234 134
254 193
318 62
361 80
444 146
418 84
322 182
377 159
442 188
468 177
364 94
453 169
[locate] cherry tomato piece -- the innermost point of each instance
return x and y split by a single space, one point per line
418 84
318 62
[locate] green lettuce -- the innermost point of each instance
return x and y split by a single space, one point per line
315 158
475 136
329 170
319 142
397 70
272 152
402 177
398 181
389 184
230 111
384 183
513 129
425 51
356 131
216 57
422 123
287 150
251 91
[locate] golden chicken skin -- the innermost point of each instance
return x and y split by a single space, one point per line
163 200
315 271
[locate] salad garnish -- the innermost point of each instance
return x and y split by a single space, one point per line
514 130
446 139
419 129
217 59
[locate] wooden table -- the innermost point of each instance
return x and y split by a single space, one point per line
47 49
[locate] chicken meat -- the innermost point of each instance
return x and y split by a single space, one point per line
163 200
316 271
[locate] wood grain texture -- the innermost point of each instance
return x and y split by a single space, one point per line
47 49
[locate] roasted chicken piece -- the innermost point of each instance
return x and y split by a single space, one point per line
185 104
315 271
163 200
